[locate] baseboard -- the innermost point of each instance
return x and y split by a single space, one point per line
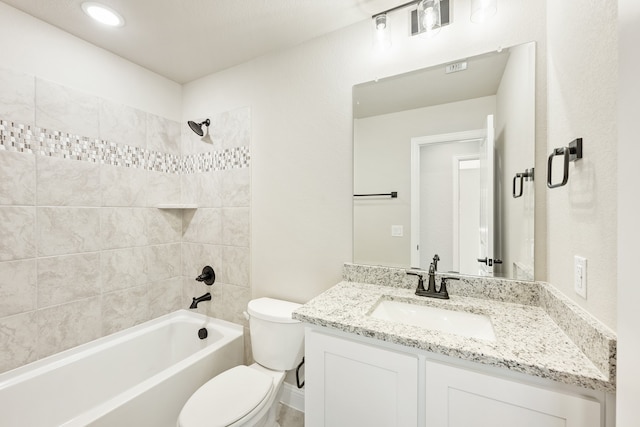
293 397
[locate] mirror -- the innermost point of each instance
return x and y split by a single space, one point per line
443 164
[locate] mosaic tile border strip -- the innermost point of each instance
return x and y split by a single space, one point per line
28 139
234 158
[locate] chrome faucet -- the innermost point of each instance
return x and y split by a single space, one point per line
196 301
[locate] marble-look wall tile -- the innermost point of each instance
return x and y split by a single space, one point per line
17 287
123 268
17 233
122 186
68 325
235 226
232 128
108 258
163 134
236 266
203 189
63 182
17 178
165 296
162 261
122 124
122 227
123 309
18 340
236 185
64 231
202 226
197 255
163 225
229 302
17 96
68 278
162 188
192 143
65 109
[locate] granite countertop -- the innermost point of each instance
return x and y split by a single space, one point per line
528 340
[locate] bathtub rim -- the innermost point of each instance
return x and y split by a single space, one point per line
65 357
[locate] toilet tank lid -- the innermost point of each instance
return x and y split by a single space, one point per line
273 310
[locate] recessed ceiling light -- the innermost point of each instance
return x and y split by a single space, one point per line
103 14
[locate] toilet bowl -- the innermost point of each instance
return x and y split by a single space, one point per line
248 396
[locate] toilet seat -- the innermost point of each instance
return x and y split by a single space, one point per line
226 398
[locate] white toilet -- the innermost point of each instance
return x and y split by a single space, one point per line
248 396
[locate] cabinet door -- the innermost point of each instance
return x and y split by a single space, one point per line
350 384
461 398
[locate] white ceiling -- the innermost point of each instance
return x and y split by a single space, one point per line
187 39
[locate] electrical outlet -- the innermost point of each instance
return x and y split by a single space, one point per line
580 276
397 231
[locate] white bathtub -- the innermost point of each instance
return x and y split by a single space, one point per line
139 377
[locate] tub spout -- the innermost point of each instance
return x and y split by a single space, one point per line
196 301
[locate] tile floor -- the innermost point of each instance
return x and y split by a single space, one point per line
289 417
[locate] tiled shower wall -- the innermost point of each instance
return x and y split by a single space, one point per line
218 232
84 252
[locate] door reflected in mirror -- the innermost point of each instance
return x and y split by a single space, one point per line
449 143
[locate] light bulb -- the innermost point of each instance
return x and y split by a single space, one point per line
103 14
381 32
429 19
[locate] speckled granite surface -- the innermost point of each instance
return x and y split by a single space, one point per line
539 332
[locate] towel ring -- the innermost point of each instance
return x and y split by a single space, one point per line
520 177
571 153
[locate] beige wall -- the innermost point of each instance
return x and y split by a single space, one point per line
581 216
301 219
628 410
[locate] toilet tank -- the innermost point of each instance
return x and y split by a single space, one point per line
277 340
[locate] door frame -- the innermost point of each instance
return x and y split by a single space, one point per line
456 205
416 144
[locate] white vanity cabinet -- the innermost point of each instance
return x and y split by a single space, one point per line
350 384
353 381
462 398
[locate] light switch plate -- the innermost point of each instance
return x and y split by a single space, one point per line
580 276
397 231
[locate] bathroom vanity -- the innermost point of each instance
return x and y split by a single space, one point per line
423 367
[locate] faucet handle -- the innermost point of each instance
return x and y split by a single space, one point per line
443 286
420 280
208 276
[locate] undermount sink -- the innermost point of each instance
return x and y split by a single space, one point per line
454 322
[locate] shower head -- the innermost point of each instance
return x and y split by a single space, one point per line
197 127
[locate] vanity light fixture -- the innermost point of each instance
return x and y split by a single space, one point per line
103 14
482 10
425 19
429 18
381 31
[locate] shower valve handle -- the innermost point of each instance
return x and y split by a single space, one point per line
208 276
